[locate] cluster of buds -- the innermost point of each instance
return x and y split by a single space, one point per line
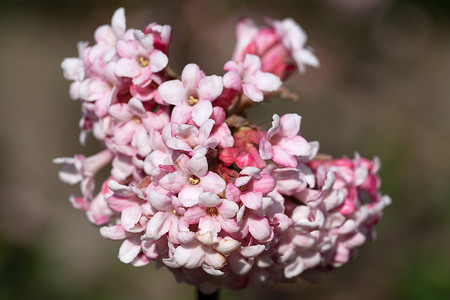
193 184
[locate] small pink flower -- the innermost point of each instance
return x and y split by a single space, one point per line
212 215
280 45
139 60
192 95
283 142
250 77
82 170
191 178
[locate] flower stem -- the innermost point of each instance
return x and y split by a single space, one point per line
202 296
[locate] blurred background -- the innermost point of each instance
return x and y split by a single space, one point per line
383 89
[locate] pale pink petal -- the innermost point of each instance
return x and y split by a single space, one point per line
201 112
232 193
124 134
232 65
252 63
190 76
252 251
281 157
243 180
94 88
252 200
290 125
265 149
198 165
158 225
297 146
173 92
120 112
190 256
159 201
251 91
158 61
72 68
305 57
259 228
136 107
228 225
128 48
130 216
264 185
140 260
275 126
210 87
182 113
228 209
266 82
118 22
173 182
232 80
245 32
250 171
215 259
193 214
126 67
294 268
145 40
211 271
212 182
348 227
208 224
186 237
177 144
129 249
189 195
226 245
239 264
205 130
289 181
141 141
114 232
209 199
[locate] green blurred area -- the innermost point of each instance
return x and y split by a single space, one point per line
382 89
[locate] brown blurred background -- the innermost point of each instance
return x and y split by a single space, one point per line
383 89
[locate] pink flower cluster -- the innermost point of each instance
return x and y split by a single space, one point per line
195 186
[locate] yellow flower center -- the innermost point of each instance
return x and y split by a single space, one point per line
138 120
212 211
192 101
143 61
194 180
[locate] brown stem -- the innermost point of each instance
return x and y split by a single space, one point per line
202 296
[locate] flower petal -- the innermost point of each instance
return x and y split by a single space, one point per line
252 200
190 256
201 112
129 249
172 92
210 87
251 91
212 182
158 61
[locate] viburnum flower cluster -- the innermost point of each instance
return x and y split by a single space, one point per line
193 184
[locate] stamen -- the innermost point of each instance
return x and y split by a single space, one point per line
192 101
194 180
138 120
212 211
143 61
